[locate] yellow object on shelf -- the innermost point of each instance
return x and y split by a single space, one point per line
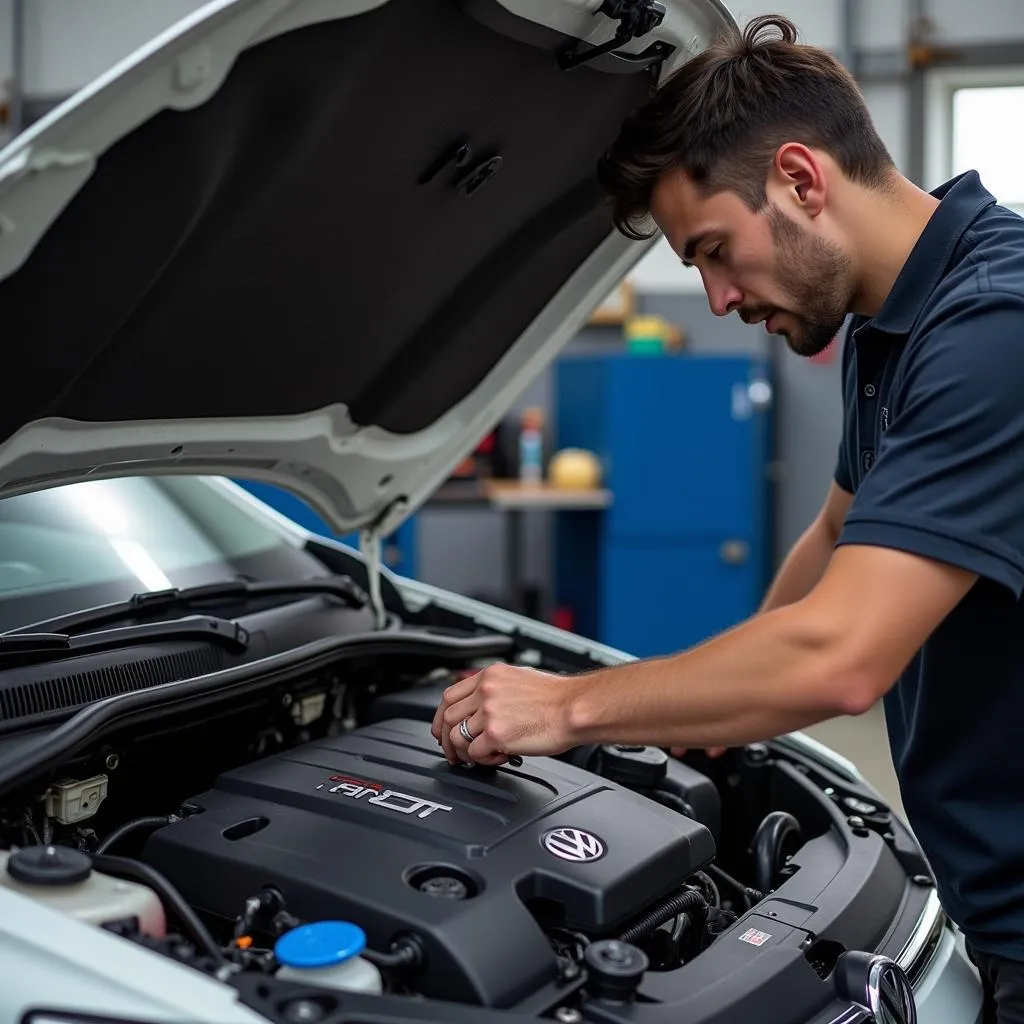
574 469
651 334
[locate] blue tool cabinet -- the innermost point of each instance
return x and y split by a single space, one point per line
684 442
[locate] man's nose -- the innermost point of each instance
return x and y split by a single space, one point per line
723 297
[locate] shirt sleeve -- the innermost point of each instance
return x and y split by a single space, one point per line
948 479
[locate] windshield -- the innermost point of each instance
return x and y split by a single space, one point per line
84 544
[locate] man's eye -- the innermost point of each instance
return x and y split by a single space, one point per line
715 252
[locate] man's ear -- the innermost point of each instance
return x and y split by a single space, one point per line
801 175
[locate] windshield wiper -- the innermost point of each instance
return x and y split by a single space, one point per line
25 648
158 602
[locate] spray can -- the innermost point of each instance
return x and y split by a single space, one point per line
531 446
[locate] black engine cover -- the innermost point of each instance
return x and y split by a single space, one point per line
377 828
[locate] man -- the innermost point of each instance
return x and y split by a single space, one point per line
759 163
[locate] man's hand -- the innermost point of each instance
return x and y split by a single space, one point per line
508 710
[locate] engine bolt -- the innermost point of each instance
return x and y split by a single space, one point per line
303 1011
286 700
570 971
568 1015
615 953
112 762
445 887
757 753
860 806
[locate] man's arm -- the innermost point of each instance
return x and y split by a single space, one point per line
834 652
809 557
804 566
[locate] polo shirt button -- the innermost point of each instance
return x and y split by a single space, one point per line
869 390
868 460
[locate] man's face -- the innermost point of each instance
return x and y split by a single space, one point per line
765 266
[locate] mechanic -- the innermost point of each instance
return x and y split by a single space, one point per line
759 163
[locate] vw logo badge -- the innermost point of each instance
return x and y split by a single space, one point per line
890 996
573 844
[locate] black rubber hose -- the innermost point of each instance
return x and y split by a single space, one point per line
709 883
752 896
678 903
131 826
767 847
125 867
406 955
674 801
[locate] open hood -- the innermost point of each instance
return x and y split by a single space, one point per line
319 243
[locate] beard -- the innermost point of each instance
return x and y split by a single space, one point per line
818 285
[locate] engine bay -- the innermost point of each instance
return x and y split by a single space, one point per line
260 822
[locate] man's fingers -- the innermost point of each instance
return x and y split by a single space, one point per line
475 724
710 751
483 749
452 697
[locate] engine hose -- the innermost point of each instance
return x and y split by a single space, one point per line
767 847
678 903
752 896
406 955
674 801
125 867
709 883
679 926
131 826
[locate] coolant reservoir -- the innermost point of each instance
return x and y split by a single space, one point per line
327 953
64 879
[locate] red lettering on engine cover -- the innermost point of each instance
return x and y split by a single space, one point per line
390 799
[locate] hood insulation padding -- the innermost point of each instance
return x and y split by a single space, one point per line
276 250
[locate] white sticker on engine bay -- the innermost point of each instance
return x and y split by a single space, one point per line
754 937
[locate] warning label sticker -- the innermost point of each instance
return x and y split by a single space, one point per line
754 937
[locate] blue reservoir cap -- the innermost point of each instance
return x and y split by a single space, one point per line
320 944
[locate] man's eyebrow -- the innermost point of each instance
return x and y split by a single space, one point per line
690 248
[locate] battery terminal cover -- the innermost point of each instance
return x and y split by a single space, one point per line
71 801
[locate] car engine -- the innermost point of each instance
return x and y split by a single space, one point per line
303 840
376 828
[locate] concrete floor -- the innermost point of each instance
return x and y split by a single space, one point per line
863 741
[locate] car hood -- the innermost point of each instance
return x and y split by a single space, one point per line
319 243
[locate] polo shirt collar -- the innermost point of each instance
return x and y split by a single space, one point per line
961 199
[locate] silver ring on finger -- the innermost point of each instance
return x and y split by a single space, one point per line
464 730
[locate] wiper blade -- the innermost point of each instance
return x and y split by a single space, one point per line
159 601
24 647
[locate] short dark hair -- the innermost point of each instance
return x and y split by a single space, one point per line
723 114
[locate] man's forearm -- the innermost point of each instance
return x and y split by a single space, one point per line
775 673
803 567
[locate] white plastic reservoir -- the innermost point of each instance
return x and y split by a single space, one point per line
327 953
64 878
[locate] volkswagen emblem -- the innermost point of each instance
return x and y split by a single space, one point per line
890 996
573 844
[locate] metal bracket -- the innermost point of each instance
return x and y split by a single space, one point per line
635 17
371 545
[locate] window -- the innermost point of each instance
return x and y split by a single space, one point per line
974 123
986 136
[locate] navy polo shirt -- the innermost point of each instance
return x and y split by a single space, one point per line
933 451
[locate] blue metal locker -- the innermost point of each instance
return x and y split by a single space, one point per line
684 441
